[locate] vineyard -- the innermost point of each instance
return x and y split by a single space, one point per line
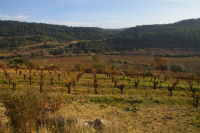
49 99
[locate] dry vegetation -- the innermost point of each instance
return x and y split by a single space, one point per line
190 63
96 96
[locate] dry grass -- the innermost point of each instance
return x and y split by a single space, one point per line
190 63
62 61
135 119
136 111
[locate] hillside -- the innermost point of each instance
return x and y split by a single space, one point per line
22 33
183 35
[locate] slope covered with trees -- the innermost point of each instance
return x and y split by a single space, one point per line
184 35
15 33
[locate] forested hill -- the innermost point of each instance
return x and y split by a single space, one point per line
192 25
182 35
60 32
23 33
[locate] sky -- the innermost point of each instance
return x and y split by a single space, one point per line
100 13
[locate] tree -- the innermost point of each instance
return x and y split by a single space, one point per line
155 83
172 87
68 85
196 97
160 63
95 83
137 80
41 85
121 87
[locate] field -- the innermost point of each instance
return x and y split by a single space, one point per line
190 63
80 99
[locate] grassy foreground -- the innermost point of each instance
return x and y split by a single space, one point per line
25 108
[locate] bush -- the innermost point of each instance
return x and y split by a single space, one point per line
177 67
160 63
57 51
22 109
162 67
21 62
29 110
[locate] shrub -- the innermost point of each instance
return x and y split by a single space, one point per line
160 63
177 67
57 51
22 109
29 110
162 67
19 61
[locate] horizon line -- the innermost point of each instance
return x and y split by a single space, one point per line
49 23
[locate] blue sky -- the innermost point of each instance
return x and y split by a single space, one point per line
100 13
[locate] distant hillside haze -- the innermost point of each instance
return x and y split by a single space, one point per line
182 35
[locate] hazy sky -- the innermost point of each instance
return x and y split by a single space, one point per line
100 13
